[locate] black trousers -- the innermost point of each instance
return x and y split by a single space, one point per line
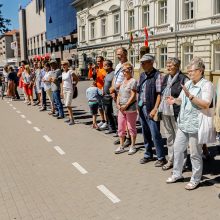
108 109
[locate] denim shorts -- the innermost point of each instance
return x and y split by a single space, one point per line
93 108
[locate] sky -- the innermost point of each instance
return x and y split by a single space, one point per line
10 11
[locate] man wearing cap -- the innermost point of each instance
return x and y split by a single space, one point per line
149 90
56 79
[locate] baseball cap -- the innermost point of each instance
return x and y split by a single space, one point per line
147 57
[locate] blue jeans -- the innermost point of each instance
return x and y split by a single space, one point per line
151 134
57 102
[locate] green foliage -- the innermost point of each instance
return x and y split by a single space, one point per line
4 22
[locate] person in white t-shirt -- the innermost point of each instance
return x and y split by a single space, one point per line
68 80
47 86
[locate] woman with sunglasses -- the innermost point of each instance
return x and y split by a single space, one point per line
126 103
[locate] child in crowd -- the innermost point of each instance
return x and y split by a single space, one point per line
93 94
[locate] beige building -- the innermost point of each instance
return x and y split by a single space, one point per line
10 48
32 21
183 28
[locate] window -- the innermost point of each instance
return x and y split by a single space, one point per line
116 24
103 27
131 20
92 30
188 55
146 16
83 34
217 57
217 7
188 9
163 57
133 57
163 12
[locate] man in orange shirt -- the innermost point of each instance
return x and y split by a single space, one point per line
100 76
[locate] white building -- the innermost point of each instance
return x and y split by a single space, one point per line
183 28
10 48
32 22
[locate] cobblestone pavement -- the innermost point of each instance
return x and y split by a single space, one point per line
50 171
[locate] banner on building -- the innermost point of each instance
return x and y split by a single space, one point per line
14 45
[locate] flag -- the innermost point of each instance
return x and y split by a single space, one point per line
131 39
146 37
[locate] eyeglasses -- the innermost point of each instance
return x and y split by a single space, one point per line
190 71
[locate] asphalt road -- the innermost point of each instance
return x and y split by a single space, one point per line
49 170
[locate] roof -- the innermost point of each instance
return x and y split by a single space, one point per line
10 33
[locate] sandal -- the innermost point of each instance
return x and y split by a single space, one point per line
51 113
191 186
173 179
167 166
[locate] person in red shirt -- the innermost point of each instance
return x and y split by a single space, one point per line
100 76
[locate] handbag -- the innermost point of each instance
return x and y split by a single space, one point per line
75 91
157 116
206 133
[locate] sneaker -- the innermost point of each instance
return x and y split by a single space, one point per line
160 163
120 150
60 117
104 126
109 131
67 121
132 150
100 124
116 142
127 142
115 135
146 160
71 122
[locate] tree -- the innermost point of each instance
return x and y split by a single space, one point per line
4 22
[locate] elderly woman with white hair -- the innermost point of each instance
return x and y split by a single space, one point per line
195 99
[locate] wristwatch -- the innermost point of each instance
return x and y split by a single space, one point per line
191 97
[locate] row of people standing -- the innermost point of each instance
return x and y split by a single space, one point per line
46 80
178 99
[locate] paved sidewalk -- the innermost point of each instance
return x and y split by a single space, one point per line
38 180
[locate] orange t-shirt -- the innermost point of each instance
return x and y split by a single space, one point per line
101 73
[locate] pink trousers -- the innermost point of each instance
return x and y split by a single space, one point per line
127 120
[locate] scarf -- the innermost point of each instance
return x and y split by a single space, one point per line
164 107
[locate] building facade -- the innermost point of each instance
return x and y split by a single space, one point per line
61 30
32 25
10 48
182 28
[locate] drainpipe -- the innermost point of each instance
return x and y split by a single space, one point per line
176 27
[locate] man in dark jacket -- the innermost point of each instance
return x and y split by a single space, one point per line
149 90
171 86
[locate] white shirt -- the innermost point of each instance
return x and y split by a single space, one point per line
119 76
47 85
67 80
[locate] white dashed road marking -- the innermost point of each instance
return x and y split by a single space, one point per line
59 150
109 194
18 112
79 168
11 105
14 108
36 129
29 122
23 116
47 138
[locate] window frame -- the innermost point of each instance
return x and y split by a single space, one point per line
131 20
190 5
83 33
114 20
92 30
103 27
162 8
163 57
214 53
189 53
147 14
216 9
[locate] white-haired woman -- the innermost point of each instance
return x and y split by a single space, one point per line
196 96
